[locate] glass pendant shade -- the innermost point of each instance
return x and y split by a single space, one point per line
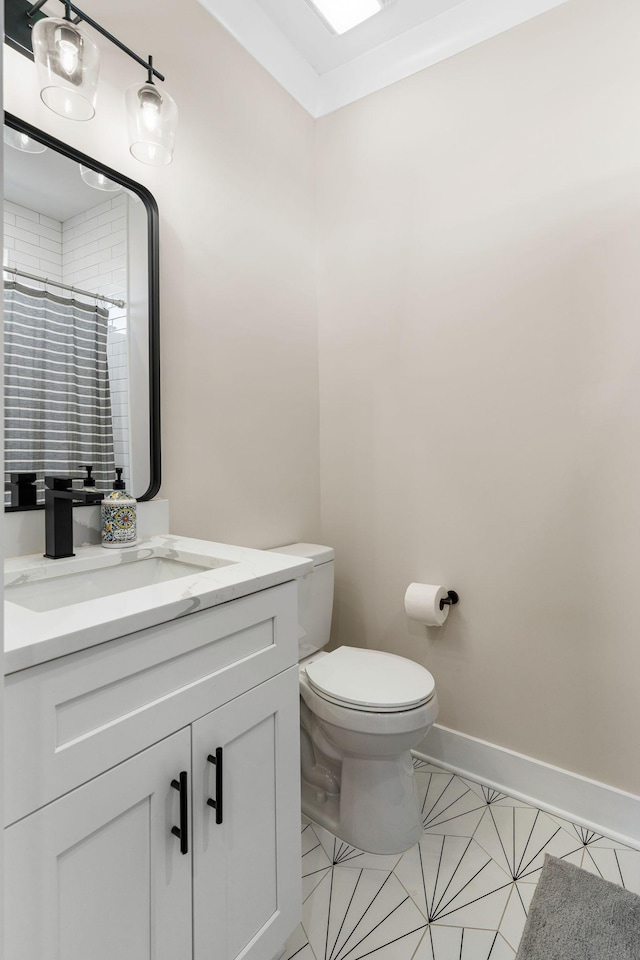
20 141
153 116
98 180
68 63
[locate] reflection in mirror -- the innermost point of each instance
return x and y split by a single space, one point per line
80 320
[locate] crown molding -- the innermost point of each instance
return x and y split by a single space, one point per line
463 26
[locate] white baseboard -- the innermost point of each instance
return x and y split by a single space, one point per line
606 810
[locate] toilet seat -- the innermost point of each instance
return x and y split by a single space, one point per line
370 680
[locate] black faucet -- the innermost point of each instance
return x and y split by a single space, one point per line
59 498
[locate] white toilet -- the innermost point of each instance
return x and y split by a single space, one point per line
361 711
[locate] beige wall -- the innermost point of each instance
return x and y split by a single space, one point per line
239 337
480 380
479 296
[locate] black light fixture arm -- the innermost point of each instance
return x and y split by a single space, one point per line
80 16
35 8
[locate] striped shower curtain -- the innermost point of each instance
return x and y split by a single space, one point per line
57 400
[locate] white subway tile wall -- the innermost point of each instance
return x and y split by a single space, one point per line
32 242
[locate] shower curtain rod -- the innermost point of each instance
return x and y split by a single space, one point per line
65 286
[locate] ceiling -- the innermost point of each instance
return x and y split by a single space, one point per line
324 71
48 183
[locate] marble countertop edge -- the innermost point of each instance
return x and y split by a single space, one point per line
32 637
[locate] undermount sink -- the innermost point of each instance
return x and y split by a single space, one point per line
69 588
57 607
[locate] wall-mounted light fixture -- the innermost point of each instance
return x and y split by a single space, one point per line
68 64
98 180
153 116
20 141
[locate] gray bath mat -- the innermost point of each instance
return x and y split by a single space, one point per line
575 915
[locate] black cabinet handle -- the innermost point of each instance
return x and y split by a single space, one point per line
217 803
182 832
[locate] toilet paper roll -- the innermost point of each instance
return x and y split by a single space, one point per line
422 603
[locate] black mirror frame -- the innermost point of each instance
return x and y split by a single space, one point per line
154 290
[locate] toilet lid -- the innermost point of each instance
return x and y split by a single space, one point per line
370 680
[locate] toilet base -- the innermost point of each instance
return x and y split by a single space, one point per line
377 809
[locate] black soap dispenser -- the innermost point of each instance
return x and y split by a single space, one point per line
119 521
88 482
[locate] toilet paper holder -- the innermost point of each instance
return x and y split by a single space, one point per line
450 600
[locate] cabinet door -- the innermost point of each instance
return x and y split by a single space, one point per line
247 868
98 874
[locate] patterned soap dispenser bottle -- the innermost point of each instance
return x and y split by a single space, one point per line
118 527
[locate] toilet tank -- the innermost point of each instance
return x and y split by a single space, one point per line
315 596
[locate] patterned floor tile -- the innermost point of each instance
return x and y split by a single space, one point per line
298 947
518 837
454 881
315 862
598 841
609 859
448 804
516 912
458 943
462 893
583 834
490 795
618 864
354 913
342 853
425 765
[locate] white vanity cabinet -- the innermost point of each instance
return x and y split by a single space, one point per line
98 873
246 881
94 865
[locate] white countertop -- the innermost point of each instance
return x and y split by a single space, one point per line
34 637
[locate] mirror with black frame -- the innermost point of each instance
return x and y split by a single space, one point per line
81 321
